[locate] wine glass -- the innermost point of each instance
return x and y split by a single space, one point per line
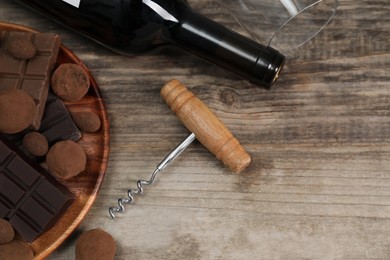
282 24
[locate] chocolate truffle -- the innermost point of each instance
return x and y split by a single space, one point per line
87 121
7 232
21 49
17 111
70 82
66 159
95 244
16 250
35 143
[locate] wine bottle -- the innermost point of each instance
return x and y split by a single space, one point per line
135 26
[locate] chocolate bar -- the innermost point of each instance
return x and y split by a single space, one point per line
30 199
56 125
31 75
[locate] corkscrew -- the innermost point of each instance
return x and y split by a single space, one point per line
160 167
204 126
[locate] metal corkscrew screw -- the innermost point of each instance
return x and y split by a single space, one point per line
203 124
160 167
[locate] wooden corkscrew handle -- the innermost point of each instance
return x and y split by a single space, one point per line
208 129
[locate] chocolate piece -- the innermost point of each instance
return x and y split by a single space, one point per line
70 82
30 199
87 121
32 75
7 232
57 125
95 244
16 111
66 159
35 143
22 49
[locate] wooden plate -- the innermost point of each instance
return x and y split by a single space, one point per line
96 145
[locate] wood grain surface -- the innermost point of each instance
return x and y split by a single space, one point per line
318 186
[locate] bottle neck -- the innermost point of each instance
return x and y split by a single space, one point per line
217 44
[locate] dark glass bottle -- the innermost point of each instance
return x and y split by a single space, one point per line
135 26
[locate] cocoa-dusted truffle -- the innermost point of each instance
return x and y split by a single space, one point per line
87 121
21 49
95 244
66 159
16 250
70 82
7 232
17 111
35 143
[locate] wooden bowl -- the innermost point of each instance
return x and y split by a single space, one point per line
96 146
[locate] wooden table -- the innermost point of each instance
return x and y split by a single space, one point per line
319 183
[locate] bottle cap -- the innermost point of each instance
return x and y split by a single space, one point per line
267 67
